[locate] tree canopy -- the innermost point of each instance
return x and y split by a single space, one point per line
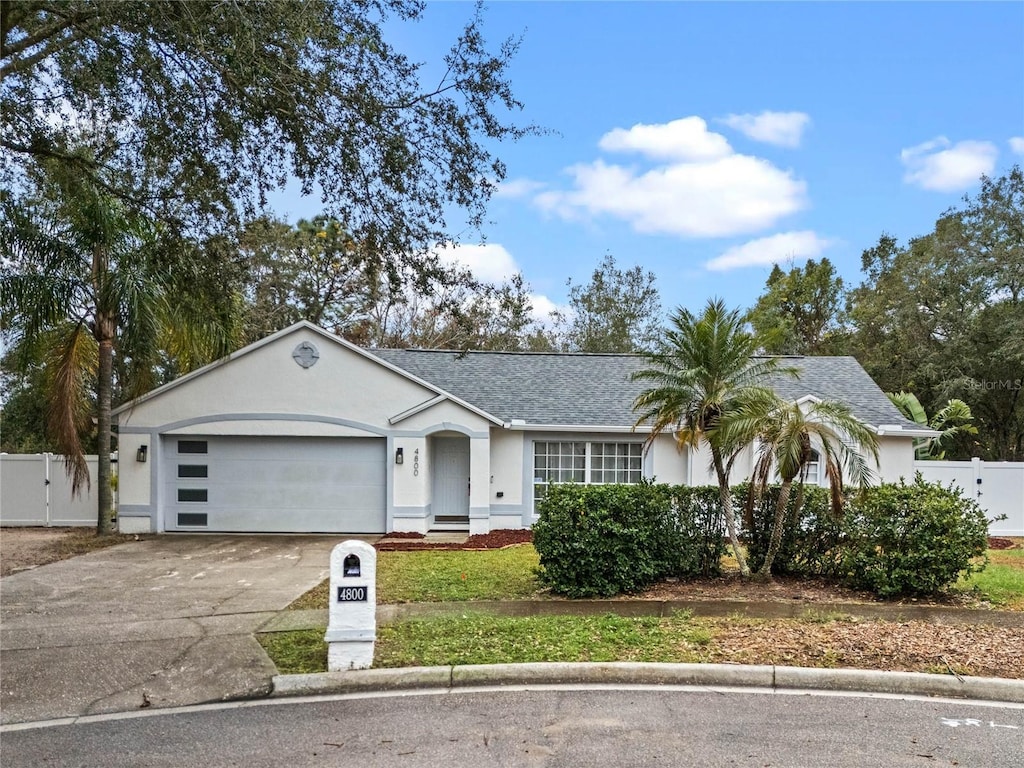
618 310
194 111
799 313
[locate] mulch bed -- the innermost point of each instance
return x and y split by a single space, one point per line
997 542
407 542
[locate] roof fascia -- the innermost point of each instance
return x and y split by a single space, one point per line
516 426
399 417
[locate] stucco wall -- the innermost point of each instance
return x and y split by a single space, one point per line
895 459
267 381
506 467
668 465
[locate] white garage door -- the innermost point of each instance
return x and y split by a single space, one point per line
275 484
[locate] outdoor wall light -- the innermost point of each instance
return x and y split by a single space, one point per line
140 455
399 456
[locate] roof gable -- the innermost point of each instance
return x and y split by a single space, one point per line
330 338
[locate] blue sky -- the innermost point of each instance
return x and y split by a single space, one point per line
704 141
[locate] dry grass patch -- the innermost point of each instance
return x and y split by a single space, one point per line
26 548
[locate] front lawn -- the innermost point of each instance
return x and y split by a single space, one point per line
1002 581
815 641
445 576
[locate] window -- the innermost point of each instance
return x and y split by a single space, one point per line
811 470
561 462
191 518
616 462
192 470
191 446
192 494
584 462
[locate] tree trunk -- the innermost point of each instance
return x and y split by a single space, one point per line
730 518
778 524
104 384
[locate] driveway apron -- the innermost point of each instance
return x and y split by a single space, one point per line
158 623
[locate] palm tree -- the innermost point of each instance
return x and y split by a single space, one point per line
703 369
83 281
951 420
790 439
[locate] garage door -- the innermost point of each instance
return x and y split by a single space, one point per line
274 484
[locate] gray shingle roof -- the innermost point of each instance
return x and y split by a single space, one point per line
595 389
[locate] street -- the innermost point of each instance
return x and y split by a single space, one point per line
640 726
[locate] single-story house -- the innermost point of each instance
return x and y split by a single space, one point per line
306 432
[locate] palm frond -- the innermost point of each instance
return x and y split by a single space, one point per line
70 371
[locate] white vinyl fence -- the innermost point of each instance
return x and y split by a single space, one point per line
35 490
998 486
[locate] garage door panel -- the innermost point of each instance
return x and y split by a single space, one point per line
332 485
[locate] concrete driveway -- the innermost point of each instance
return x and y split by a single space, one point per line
161 623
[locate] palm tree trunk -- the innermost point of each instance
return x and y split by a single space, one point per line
730 518
104 385
778 523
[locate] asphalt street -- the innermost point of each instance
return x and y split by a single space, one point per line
557 726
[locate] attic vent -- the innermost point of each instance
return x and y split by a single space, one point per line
306 355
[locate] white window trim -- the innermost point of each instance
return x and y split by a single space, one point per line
587 466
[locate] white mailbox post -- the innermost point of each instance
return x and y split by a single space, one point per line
352 621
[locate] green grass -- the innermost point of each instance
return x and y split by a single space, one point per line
478 638
296 653
446 576
1002 581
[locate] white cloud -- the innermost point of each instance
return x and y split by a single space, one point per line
727 196
543 307
776 249
784 129
518 188
1017 144
685 139
698 186
488 262
942 166
492 263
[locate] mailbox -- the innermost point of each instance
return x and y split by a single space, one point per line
352 615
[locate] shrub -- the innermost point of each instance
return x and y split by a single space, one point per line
811 539
608 539
912 539
696 531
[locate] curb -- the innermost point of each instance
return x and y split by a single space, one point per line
634 673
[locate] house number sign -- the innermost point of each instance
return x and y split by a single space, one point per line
416 462
351 594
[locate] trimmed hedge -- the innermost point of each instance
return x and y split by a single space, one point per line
604 540
912 539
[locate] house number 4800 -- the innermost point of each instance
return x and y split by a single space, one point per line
416 462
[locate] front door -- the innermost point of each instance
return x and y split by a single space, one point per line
450 504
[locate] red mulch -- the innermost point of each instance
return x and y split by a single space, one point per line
996 542
494 540
404 535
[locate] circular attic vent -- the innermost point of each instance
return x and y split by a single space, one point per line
306 355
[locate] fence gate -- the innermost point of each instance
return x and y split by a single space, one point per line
36 491
998 486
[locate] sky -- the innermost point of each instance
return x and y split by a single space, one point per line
707 141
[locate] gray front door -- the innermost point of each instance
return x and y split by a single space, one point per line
451 480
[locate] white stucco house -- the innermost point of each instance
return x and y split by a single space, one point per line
306 432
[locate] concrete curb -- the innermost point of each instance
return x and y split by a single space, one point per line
631 673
